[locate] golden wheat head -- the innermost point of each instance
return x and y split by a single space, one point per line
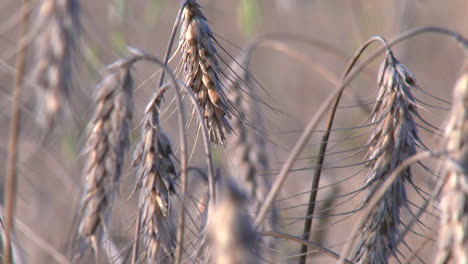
201 71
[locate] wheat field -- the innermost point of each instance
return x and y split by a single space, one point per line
248 131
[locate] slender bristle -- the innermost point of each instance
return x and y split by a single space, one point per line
156 176
106 143
453 234
394 140
55 55
201 71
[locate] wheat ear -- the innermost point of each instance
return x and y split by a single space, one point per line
232 238
394 139
55 55
453 234
201 71
156 176
247 147
106 143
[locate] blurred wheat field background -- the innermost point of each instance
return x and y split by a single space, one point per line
215 161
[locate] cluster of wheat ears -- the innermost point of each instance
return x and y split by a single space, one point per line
234 218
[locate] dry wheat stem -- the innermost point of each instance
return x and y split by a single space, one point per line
106 144
201 71
14 130
55 49
394 139
453 235
41 243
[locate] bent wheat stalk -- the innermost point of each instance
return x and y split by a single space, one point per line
14 135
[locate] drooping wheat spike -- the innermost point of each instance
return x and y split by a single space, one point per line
394 139
247 147
156 176
106 143
231 236
201 71
55 55
453 234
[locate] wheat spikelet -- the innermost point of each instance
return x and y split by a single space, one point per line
393 140
232 237
247 146
156 172
106 144
453 236
201 71
55 48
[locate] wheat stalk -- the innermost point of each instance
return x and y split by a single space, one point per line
156 176
106 143
394 139
201 71
453 235
55 53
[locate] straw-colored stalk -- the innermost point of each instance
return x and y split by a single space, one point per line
55 55
156 175
106 143
453 234
394 139
201 71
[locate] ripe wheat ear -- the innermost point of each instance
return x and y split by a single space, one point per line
394 139
453 243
